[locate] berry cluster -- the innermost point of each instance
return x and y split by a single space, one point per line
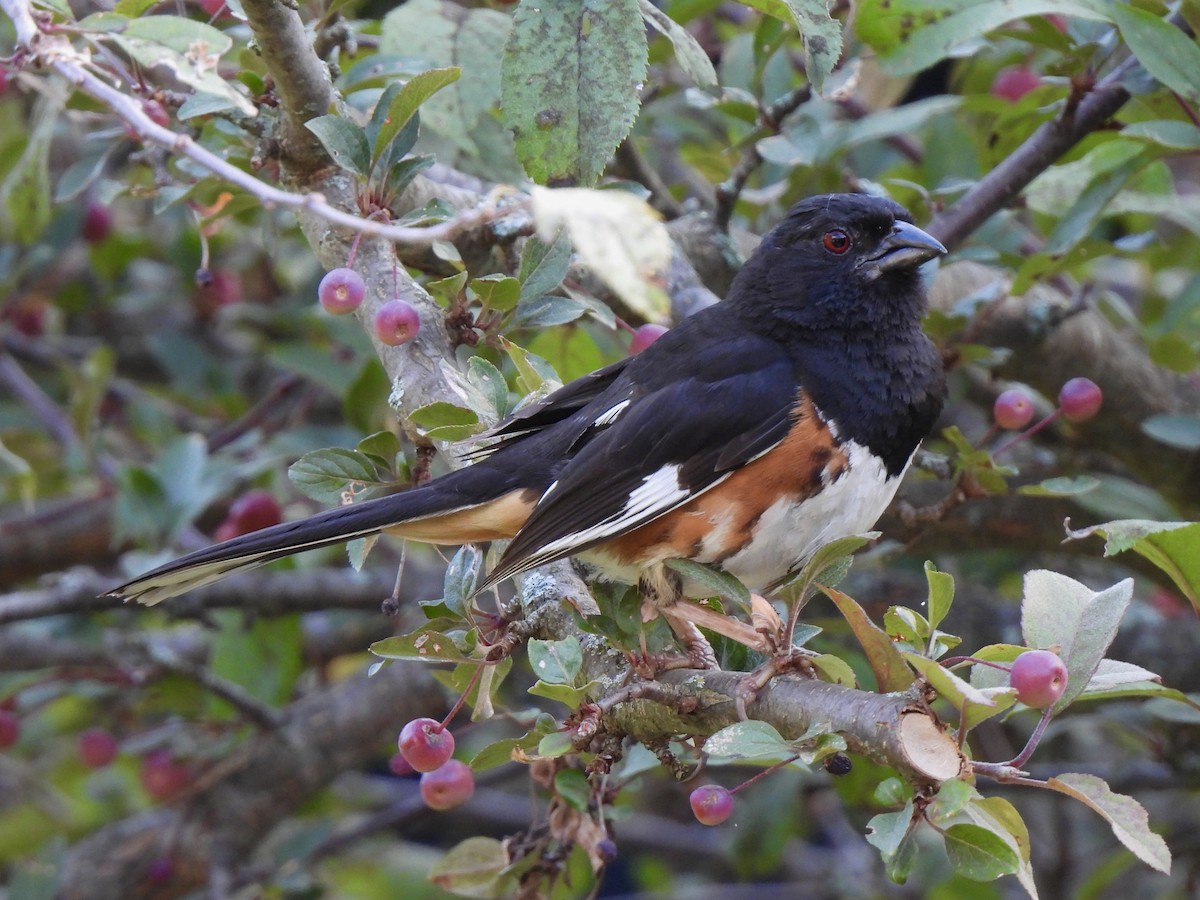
426 746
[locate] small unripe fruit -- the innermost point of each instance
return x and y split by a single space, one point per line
711 804
396 322
10 728
449 786
645 335
1080 399
1039 677
1014 82
341 291
1013 410
97 747
426 744
254 510
97 222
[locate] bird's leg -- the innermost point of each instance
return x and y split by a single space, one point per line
662 590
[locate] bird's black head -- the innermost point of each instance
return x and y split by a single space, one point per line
839 262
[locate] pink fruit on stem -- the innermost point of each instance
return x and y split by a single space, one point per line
1013 409
426 744
396 322
449 786
97 747
1080 399
645 335
341 291
1039 677
1014 82
711 804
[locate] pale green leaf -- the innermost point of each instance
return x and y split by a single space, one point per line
1128 818
1168 54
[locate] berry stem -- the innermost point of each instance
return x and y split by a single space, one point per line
1023 757
1028 432
765 772
462 698
953 661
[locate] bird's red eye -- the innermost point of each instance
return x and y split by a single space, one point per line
836 241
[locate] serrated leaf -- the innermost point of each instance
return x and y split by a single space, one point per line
826 557
822 36
500 292
556 662
381 448
941 593
979 853
1172 546
325 475
1059 611
692 58
407 100
722 584
751 739
1128 818
474 868
344 141
544 265
891 672
952 798
533 372
571 74
1168 54
548 310
445 421
422 645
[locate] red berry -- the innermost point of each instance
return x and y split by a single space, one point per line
10 728
1039 678
645 335
1013 409
711 804
215 9
1014 82
97 747
396 322
162 775
341 291
449 786
97 222
254 510
161 870
156 112
400 766
1080 399
426 744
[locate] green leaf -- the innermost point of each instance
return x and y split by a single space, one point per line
941 593
1181 431
951 799
751 739
381 448
826 561
1000 817
25 209
17 473
556 662
1089 207
1128 818
1164 49
570 77
1063 486
950 687
500 292
474 868
1167 133
407 100
462 574
979 853
692 58
572 786
722 584
834 669
1058 611
426 644
445 422
1172 546
489 383
822 36
558 743
327 475
891 672
564 693
264 657
533 372
344 141
886 831
544 265
548 310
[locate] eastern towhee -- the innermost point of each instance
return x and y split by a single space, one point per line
746 437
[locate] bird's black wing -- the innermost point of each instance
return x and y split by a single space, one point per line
667 436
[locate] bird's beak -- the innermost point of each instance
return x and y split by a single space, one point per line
905 248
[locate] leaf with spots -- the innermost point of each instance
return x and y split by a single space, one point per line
426 644
569 82
556 662
822 36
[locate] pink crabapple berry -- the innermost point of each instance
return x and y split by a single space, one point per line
254 510
449 786
10 728
645 335
396 322
1039 677
1080 399
97 747
1014 82
426 744
162 776
341 291
1013 409
399 765
97 222
711 804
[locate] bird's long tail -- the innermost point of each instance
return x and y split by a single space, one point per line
473 504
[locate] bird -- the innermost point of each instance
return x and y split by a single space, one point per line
752 433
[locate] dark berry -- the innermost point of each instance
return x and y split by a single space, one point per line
449 786
838 764
161 870
341 291
1013 409
1014 82
1080 399
396 322
1039 678
254 510
645 335
97 222
10 728
162 775
711 804
97 747
426 744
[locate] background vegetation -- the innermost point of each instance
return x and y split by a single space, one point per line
176 177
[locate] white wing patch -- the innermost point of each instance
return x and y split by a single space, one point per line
610 415
658 493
